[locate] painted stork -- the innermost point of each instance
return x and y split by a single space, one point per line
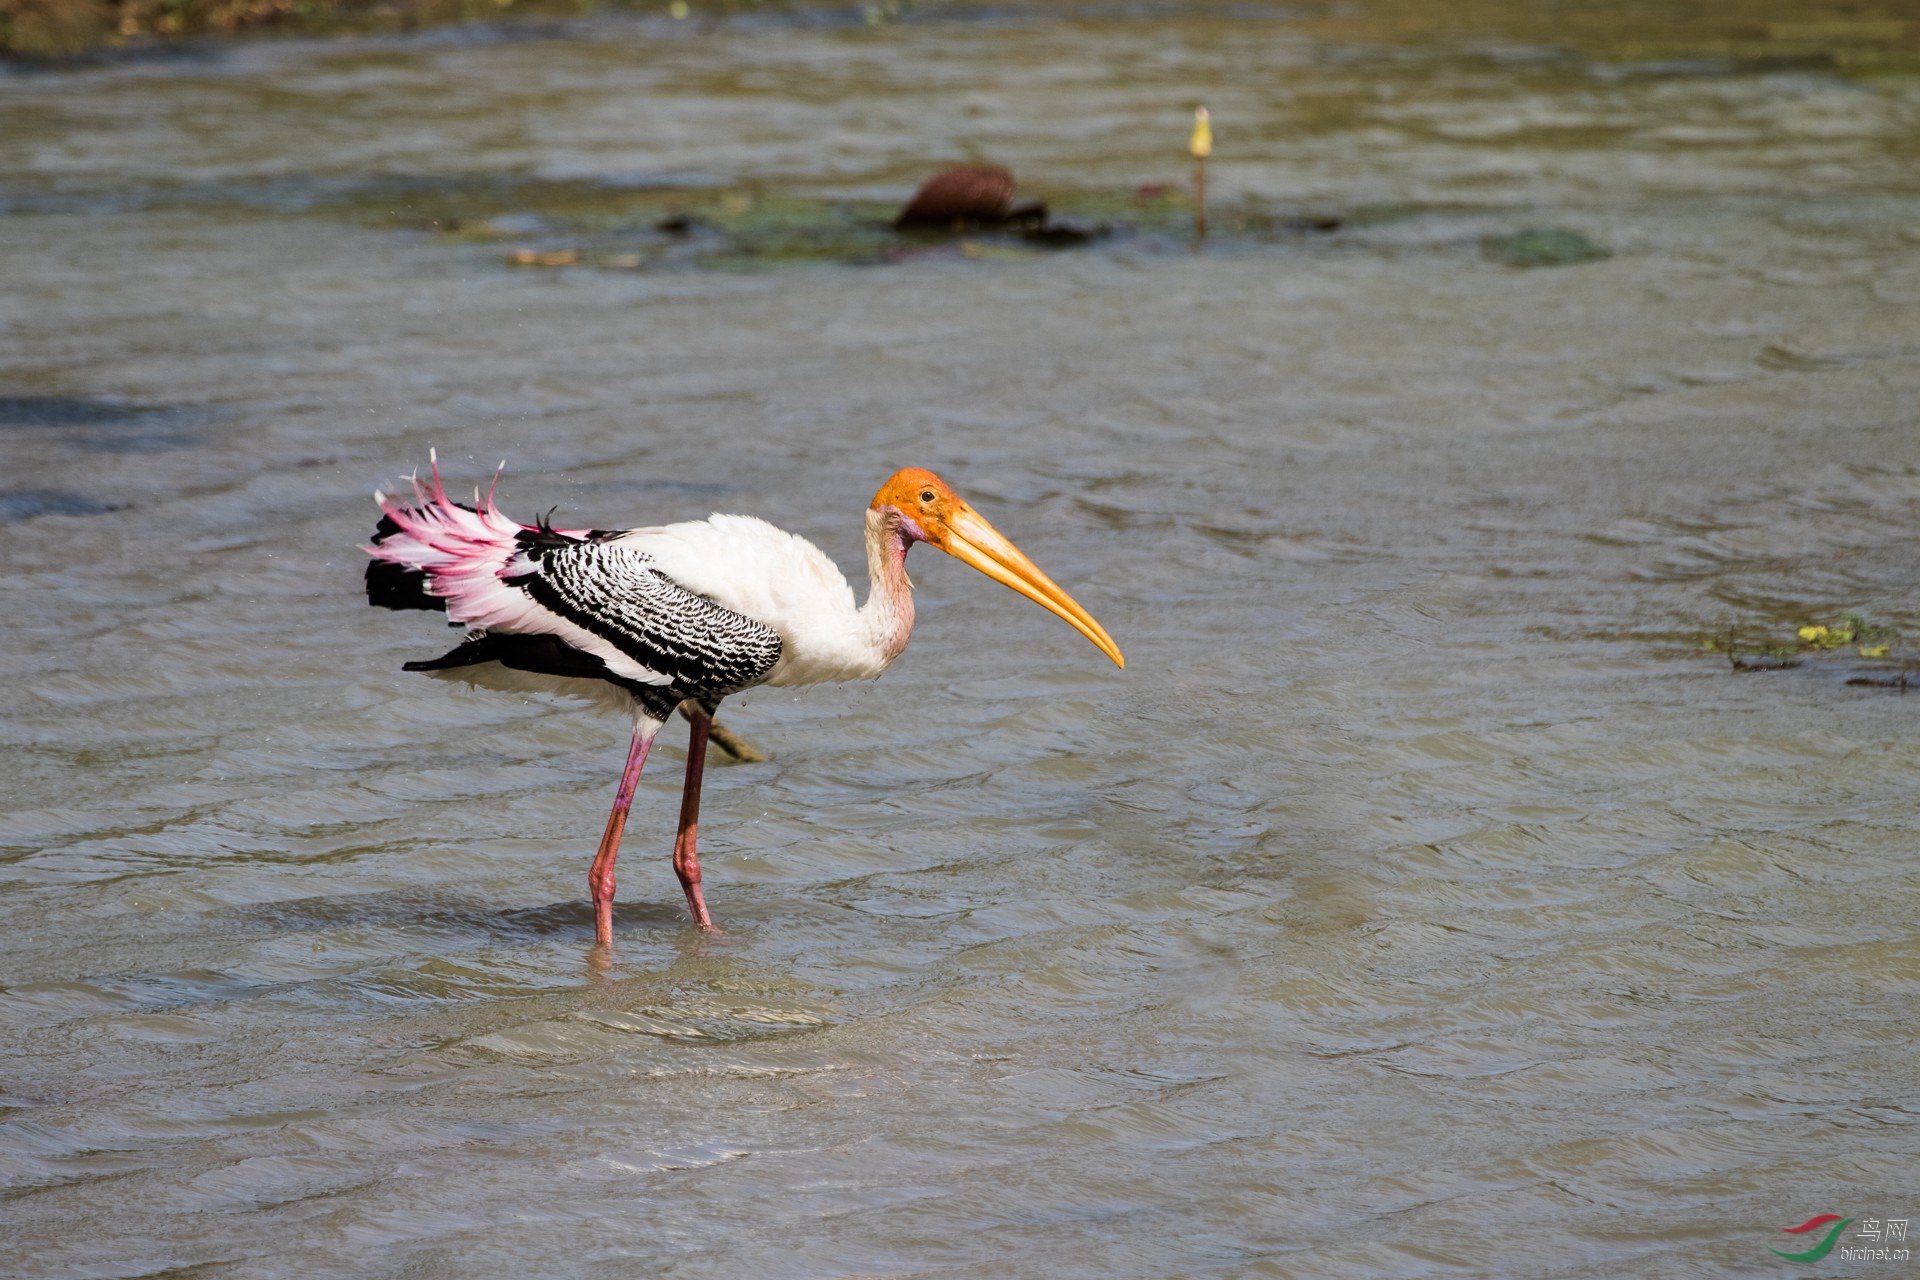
680 615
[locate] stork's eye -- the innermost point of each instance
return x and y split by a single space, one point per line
926 495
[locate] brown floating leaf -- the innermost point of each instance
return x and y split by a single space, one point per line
965 193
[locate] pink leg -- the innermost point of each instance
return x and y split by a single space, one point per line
686 862
600 876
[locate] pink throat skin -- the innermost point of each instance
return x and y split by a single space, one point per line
890 598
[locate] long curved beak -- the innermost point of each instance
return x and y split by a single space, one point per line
972 539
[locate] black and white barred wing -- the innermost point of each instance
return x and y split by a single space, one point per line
614 591
596 596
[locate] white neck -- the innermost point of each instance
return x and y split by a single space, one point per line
888 612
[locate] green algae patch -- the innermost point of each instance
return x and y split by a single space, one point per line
1726 37
554 224
577 224
1845 639
1543 247
70 30
745 233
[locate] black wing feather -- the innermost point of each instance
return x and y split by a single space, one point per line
615 592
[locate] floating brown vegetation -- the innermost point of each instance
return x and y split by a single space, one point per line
1848 638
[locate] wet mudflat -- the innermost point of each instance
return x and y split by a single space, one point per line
1429 894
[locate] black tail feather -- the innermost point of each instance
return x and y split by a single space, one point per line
393 586
543 655
547 656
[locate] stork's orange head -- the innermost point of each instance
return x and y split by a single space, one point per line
925 501
931 512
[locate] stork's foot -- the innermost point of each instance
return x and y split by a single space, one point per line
686 865
601 888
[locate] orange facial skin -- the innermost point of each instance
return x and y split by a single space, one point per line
925 500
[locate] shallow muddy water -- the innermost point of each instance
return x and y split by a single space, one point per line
1429 894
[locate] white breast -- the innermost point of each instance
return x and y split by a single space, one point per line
744 564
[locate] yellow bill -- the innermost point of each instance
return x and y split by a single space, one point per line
972 539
